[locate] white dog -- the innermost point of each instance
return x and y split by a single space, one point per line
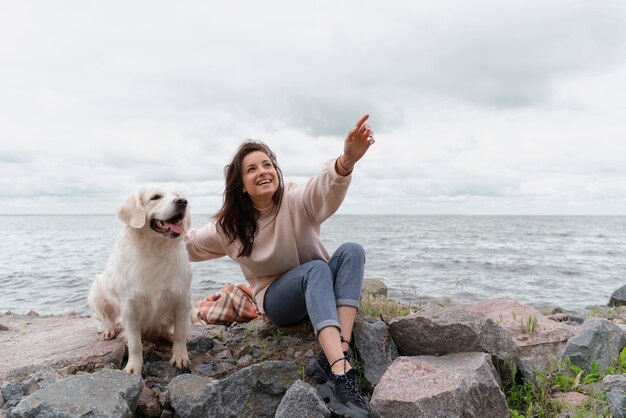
146 286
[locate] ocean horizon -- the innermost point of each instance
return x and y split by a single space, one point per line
573 261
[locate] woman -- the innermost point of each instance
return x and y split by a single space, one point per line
272 231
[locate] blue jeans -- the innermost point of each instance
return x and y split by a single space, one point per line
317 288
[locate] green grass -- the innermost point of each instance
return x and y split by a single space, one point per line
611 312
387 309
529 400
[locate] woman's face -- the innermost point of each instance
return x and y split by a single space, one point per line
259 177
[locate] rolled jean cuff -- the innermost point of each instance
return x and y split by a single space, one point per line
348 302
325 324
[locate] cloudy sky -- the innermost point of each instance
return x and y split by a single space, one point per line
481 107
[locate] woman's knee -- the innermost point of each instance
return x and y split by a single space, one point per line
352 249
319 272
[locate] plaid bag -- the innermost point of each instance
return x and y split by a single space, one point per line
231 304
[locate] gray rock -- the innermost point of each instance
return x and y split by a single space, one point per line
107 393
375 287
617 402
161 369
614 388
302 401
618 297
201 343
537 338
454 330
454 385
253 391
599 340
375 346
612 381
14 391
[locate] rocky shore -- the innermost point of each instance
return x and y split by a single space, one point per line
443 361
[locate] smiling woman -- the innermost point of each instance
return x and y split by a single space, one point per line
273 231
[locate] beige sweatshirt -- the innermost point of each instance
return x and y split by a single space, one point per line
290 240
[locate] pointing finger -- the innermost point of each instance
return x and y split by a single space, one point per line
362 120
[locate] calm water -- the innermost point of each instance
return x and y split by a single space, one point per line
47 263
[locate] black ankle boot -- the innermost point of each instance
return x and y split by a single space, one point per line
318 367
342 395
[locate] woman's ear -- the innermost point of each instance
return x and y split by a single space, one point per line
132 212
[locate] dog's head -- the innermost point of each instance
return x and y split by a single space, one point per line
163 211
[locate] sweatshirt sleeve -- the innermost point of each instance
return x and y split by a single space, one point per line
204 243
323 194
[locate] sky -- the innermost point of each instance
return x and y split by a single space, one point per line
477 107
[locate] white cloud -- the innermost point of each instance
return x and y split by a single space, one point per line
481 107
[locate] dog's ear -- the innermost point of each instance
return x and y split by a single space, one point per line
132 212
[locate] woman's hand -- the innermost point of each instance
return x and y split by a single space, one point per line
355 145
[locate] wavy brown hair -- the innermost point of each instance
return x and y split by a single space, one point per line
238 217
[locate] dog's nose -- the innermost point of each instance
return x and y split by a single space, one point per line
180 202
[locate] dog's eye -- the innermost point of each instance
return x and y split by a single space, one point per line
155 197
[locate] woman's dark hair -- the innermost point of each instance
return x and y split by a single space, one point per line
238 217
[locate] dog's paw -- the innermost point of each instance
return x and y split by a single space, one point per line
109 334
133 368
180 361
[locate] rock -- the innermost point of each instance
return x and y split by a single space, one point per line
612 381
375 287
201 343
617 403
302 401
13 392
614 389
453 329
107 393
570 401
537 338
599 340
245 360
148 403
253 391
375 346
454 385
618 298
70 342
161 369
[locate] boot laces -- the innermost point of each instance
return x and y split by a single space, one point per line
353 391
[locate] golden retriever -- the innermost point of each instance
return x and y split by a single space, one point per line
146 287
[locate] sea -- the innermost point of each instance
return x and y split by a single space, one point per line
48 262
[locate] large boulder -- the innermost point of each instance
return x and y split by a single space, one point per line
107 393
599 340
454 385
375 347
71 342
618 298
537 338
253 391
302 401
454 330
